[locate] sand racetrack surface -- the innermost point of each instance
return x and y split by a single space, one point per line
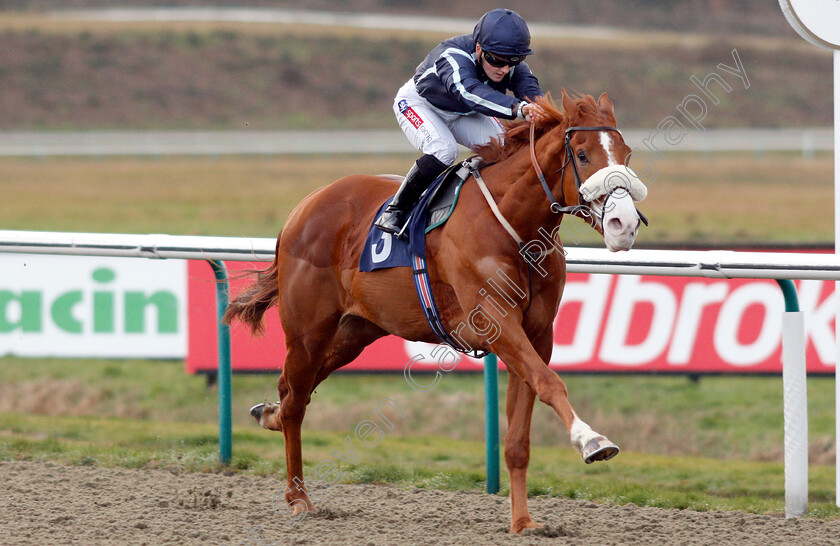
44 503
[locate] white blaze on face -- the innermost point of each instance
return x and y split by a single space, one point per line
621 211
606 142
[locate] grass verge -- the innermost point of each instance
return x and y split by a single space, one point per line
720 417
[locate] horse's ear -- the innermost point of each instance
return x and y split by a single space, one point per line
606 105
569 105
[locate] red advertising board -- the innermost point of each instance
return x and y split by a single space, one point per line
606 323
265 353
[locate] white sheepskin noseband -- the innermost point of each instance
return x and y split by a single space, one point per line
609 179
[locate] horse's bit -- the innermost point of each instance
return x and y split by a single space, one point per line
569 157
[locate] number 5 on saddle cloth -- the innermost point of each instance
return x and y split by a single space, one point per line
383 250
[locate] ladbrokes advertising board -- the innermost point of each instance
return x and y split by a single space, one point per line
606 323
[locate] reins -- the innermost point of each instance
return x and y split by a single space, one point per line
555 205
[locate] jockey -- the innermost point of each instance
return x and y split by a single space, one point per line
454 97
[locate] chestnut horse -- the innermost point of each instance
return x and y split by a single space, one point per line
330 310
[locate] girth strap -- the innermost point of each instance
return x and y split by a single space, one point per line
430 310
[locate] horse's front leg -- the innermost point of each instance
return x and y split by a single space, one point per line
514 348
520 405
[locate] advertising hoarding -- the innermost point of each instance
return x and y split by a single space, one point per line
606 323
81 306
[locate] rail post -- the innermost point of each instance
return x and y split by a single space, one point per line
222 298
795 403
491 421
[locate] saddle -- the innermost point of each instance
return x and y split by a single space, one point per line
383 250
433 209
445 194
436 204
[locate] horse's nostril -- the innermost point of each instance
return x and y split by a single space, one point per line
614 224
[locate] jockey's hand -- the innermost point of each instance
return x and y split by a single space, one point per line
534 112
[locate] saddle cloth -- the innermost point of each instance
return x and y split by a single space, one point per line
383 250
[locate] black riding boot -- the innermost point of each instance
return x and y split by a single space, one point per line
422 174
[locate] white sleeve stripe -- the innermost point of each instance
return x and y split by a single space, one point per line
463 90
427 72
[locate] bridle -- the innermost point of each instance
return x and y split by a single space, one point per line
570 158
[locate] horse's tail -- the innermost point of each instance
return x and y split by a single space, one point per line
252 303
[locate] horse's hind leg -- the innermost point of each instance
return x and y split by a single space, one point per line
303 370
267 414
352 336
287 416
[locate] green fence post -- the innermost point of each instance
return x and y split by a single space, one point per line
789 291
491 421
222 291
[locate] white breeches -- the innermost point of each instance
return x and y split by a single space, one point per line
436 132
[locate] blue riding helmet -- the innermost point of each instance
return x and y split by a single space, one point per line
503 32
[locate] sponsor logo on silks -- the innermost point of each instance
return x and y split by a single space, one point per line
402 105
413 117
427 136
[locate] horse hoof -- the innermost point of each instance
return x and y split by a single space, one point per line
599 449
266 416
521 527
257 411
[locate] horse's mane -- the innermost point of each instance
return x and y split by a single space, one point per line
517 133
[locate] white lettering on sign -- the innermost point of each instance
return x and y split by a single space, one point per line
734 324
631 290
705 334
731 315
696 298
592 296
819 318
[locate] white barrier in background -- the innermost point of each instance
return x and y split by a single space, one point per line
807 141
716 264
712 264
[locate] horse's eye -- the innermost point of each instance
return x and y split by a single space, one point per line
581 156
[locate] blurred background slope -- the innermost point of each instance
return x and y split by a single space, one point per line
85 75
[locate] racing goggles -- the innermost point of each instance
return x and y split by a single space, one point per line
499 62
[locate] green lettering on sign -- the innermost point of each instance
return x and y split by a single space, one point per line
30 311
136 304
62 312
103 303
